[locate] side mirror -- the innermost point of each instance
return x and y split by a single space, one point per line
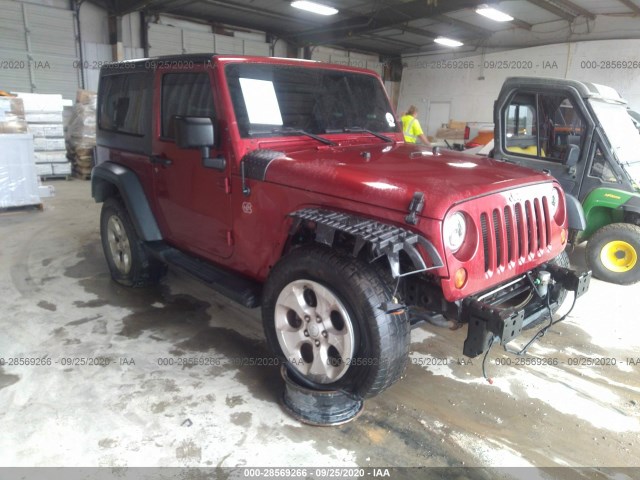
572 155
198 132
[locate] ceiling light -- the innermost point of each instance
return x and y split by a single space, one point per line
314 7
493 14
448 42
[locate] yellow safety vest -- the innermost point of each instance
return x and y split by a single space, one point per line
408 121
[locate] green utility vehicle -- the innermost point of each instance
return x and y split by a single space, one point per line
582 134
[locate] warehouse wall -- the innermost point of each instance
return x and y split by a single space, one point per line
94 29
38 47
345 57
470 88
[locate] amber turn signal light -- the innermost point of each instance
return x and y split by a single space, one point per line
460 278
563 236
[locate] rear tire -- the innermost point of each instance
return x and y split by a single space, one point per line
321 312
128 261
612 253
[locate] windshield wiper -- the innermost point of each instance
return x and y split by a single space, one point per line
286 130
362 130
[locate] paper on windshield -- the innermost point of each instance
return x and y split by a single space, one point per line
261 101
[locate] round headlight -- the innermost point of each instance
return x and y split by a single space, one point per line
454 230
554 201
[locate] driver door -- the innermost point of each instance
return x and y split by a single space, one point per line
546 131
192 201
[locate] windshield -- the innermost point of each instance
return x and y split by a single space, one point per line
268 98
620 130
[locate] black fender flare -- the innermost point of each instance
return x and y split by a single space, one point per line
385 239
575 213
109 177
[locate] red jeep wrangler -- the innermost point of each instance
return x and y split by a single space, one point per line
287 184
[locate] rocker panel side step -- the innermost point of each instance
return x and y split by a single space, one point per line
242 290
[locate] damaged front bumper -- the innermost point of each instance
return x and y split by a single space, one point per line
488 316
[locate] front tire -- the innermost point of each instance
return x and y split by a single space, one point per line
321 312
129 263
612 253
559 293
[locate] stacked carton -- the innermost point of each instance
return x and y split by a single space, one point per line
43 113
81 133
12 115
18 179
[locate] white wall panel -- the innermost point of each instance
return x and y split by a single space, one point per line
260 49
473 90
229 45
42 39
197 42
164 40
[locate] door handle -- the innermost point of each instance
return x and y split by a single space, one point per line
164 161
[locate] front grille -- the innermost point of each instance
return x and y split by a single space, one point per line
514 233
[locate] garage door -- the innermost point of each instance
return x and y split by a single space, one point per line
38 49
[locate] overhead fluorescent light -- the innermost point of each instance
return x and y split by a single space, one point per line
449 42
493 14
314 7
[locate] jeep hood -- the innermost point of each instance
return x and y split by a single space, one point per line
389 175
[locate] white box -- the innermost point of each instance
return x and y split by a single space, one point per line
61 168
50 130
59 156
46 191
18 178
41 102
48 144
44 169
31 117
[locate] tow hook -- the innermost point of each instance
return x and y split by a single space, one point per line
542 283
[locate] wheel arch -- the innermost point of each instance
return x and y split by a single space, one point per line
604 206
109 179
353 233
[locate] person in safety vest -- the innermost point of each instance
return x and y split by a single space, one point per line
411 127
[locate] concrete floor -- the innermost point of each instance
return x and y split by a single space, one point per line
59 302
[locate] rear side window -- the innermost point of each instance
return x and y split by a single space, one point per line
122 103
185 94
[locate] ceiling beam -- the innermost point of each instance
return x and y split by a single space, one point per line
454 22
631 6
569 5
550 7
521 24
415 31
387 16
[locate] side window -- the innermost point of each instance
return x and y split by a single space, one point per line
563 127
122 103
601 168
521 126
187 94
544 126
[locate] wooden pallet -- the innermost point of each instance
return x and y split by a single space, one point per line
81 175
21 208
54 176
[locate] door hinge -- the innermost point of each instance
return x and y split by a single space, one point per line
230 238
227 185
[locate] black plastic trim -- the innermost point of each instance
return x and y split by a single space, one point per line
257 162
245 291
107 175
385 239
486 321
575 213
